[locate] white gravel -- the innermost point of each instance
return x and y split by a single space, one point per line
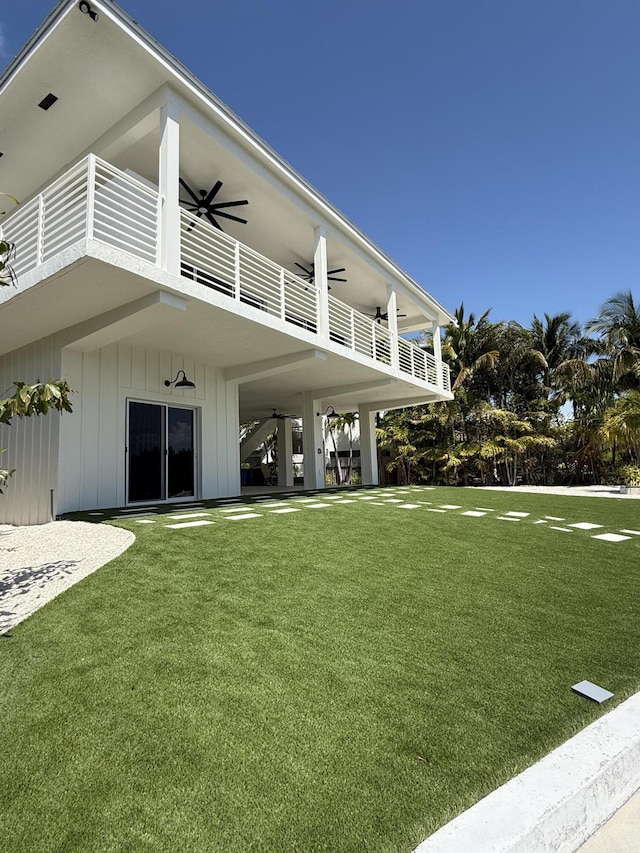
571 491
39 562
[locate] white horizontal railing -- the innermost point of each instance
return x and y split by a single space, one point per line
211 257
93 200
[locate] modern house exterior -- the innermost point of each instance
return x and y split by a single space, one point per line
182 277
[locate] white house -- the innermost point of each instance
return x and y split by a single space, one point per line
159 238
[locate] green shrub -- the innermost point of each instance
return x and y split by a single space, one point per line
629 475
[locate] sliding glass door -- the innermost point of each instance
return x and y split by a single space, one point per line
160 452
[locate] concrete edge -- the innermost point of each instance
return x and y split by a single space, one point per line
559 802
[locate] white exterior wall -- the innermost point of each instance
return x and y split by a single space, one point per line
93 441
31 443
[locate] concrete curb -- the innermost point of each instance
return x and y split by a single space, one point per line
558 803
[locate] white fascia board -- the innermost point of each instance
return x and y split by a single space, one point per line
236 127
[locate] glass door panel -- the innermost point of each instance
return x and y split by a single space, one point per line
180 458
146 452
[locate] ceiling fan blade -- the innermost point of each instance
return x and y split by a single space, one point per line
331 272
213 222
228 204
206 200
304 269
332 278
228 216
186 186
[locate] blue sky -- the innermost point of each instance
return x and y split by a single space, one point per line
491 148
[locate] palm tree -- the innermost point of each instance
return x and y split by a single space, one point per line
468 346
618 326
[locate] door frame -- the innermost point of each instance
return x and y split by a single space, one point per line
196 451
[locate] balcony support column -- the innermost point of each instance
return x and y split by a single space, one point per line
169 189
285 453
392 324
368 446
320 268
312 443
437 352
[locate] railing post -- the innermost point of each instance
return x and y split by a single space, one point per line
91 194
321 281
40 231
283 311
169 189
236 260
352 324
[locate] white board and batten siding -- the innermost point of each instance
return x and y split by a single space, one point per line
93 439
31 443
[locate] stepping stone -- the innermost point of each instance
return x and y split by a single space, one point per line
554 518
273 511
436 510
240 517
393 500
189 515
585 525
304 500
485 509
316 506
426 503
237 509
540 522
377 503
591 691
474 513
610 537
518 514
367 498
632 532
409 506
144 521
346 501
561 529
450 506
507 518
95 513
272 506
188 524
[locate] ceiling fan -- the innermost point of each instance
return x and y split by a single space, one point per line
204 205
309 274
379 316
280 417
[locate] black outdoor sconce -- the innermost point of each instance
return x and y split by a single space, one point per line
330 412
183 383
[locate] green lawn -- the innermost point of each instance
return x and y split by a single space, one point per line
337 679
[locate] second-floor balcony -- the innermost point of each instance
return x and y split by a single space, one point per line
95 201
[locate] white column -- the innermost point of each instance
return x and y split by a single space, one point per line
320 277
312 443
437 351
392 323
368 447
169 189
285 453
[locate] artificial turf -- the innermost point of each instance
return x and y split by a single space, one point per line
342 679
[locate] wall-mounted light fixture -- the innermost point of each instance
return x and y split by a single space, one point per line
183 383
329 413
86 9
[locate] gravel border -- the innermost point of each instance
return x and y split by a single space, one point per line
39 562
570 491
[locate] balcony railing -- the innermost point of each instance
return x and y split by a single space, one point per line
93 200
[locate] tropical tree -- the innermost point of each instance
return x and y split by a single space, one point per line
618 326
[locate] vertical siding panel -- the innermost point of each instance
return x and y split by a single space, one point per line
109 414
124 366
90 446
165 370
138 369
152 382
71 436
